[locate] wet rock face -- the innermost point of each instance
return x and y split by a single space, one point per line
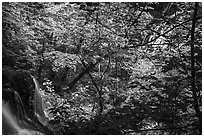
20 82
14 123
18 90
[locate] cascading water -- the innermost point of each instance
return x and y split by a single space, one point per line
10 122
38 104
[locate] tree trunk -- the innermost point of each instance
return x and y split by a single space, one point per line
41 60
100 98
64 74
193 85
75 80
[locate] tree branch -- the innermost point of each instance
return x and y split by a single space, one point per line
97 88
73 82
163 34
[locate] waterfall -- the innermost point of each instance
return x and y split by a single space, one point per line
19 106
10 122
38 104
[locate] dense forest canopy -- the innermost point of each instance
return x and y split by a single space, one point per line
106 67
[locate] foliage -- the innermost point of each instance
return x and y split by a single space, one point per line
109 68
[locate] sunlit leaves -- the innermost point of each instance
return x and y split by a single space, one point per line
60 60
143 73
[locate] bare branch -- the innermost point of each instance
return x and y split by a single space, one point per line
160 34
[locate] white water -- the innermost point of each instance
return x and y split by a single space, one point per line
20 108
12 121
38 104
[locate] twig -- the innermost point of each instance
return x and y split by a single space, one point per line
161 34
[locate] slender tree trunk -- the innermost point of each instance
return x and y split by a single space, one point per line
75 80
39 72
64 74
193 85
100 98
41 60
